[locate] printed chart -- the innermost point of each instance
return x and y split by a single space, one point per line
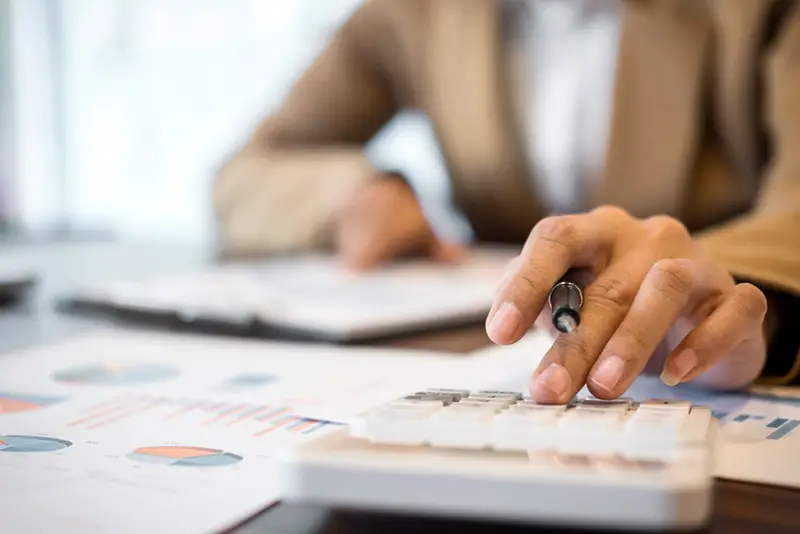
116 374
32 444
771 428
15 402
257 420
182 456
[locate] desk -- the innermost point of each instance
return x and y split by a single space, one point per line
741 508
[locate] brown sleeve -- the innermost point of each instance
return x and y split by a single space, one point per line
279 190
764 245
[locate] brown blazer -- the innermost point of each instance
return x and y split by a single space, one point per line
705 127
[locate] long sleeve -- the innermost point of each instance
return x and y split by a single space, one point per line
763 246
279 190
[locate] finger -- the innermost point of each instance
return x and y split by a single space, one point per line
555 245
446 251
737 319
606 302
670 289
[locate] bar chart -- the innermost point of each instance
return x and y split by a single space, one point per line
773 428
257 419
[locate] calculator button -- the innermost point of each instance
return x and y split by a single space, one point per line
590 431
441 400
498 393
504 401
466 404
697 426
617 405
455 393
666 404
394 425
417 402
462 427
654 433
526 428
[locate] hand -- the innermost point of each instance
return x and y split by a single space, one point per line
384 221
653 289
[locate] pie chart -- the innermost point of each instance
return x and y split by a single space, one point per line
183 456
116 374
15 402
32 444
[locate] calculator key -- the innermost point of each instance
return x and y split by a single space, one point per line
590 431
504 401
456 393
654 433
467 404
666 404
697 426
498 393
619 405
461 427
544 410
417 402
395 425
525 430
443 401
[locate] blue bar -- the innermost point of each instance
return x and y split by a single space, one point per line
777 422
757 417
297 423
314 428
784 430
741 418
719 415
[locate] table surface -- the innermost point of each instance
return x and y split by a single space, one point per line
740 508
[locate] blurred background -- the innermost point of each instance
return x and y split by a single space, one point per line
114 114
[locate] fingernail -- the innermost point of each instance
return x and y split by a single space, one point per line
609 373
676 369
504 324
555 379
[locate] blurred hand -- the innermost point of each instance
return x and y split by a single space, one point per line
654 297
382 222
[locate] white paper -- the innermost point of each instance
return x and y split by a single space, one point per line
74 415
315 294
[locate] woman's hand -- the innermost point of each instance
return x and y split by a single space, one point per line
652 289
383 222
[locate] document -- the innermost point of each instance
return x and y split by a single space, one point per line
128 432
315 296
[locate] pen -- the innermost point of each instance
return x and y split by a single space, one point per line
566 299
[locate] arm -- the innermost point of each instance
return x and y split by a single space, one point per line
764 245
279 190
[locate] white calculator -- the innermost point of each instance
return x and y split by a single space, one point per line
499 456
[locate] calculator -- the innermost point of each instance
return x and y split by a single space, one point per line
499 456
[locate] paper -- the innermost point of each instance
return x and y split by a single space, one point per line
315 294
138 433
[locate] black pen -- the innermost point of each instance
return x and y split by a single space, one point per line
566 299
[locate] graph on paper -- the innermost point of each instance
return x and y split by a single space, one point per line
18 402
26 444
183 456
255 419
765 427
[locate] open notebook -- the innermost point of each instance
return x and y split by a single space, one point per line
309 297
